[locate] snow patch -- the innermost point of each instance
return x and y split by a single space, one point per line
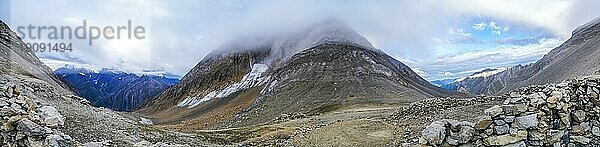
482 74
254 78
146 121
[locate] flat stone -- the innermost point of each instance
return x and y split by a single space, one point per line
30 128
579 116
493 111
509 119
555 135
503 129
536 135
499 122
503 140
577 129
596 131
580 139
518 144
483 123
3 103
526 122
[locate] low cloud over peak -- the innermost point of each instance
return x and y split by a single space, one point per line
181 34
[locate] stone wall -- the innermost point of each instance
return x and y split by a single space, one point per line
565 114
26 123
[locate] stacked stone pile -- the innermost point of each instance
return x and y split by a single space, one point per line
26 123
565 114
431 105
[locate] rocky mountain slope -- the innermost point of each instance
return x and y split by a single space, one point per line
112 89
578 56
322 68
37 110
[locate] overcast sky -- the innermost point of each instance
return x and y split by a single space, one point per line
438 39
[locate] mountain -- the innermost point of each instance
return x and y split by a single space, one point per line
448 84
472 83
38 109
578 56
113 89
324 67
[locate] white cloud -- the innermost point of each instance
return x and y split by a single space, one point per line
458 65
479 26
408 29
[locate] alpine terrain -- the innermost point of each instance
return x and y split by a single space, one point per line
322 68
576 57
322 85
114 89
37 109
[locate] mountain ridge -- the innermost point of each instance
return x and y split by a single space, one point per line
113 89
337 56
578 56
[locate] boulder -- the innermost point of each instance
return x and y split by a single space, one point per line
465 133
435 133
31 129
51 116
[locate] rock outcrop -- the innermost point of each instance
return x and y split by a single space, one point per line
566 114
26 123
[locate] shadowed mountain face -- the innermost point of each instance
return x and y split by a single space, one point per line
113 89
16 58
323 68
576 57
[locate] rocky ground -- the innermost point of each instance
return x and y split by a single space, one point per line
27 122
565 114
40 111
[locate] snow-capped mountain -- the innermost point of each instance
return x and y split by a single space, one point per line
471 84
112 88
576 57
326 65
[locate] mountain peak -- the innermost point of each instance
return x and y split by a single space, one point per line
286 43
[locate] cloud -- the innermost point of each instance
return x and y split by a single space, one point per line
463 64
497 29
479 26
458 36
182 33
523 41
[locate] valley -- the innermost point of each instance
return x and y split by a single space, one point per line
321 85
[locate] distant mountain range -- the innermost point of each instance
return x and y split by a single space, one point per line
115 89
576 57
